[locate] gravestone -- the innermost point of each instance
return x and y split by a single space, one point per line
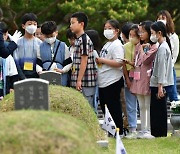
51 76
31 94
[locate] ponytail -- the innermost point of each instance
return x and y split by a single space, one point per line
159 26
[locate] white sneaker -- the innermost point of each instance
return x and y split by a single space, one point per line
145 135
132 135
140 134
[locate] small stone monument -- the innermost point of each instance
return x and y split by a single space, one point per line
31 94
51 76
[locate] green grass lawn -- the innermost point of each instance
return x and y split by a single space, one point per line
168 145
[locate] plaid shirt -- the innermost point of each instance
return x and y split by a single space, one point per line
84 46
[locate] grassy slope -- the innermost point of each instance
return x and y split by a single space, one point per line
68 101
42 132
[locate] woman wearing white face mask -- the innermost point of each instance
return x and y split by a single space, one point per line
144 55
128 70
162 78
26 54
165 17
110 72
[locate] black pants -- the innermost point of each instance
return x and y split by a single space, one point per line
110 96
158 114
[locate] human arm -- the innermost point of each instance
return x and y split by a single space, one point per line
67 64
160 93
6 51
162 61
126 76
115 59
148 57
84 59
20 71
175 47
112 63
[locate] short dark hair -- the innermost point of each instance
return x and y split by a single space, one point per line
146 25
94 36
3 27
29 17
126 29
81 17
70 34
135 28
48 27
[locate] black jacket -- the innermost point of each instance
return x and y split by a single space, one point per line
6 51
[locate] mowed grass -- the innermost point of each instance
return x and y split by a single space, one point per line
167 145
44 132
68 101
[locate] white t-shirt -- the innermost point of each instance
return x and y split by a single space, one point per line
108 75
175 46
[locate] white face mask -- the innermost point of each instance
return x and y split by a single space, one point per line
133 40
31 29
109 34
153 38
50 40
163 21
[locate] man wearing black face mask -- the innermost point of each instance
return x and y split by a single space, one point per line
6 51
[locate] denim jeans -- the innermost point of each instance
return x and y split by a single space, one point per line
172 90
89 93
131 107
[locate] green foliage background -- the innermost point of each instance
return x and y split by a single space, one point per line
98 11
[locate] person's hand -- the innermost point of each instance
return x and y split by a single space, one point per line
99 60
160 93
128 82
145 45
79 85
40 72
58 70
15 36
126 61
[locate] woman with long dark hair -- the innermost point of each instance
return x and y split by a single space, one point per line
166 18
161 79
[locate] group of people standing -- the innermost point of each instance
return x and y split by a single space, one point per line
138 59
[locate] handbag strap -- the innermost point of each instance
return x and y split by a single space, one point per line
54 56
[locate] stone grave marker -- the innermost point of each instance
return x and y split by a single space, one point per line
31 94
51 76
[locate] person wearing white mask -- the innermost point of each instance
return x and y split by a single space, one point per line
53 52
165 17
161 79
110 72
128 69
27 53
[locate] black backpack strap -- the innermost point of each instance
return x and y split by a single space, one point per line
84 41
54 56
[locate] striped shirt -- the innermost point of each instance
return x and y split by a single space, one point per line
84 46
